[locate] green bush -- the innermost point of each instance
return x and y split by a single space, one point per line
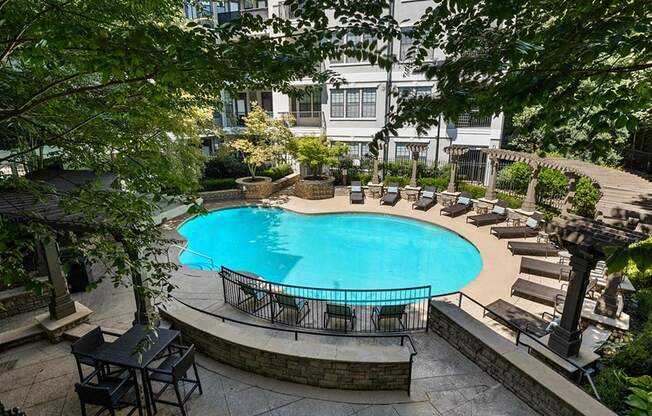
548 212
224 164
401 180
644 309
277 172
636 358
476 191
440 183
551 184
585 199
217 184
363 177
611 388
513 201
517 175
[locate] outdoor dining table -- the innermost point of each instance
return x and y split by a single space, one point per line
122 352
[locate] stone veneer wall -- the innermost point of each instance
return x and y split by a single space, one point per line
309 189
546 391
224 195
298 368
19 300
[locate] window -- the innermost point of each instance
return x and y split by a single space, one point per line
337 104
364 149
407 40
415 91
353 103
402 153
354 150
308 105
266 101
355 39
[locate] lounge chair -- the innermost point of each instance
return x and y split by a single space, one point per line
511 315
288 302
544 268
341 312
356 195
392 195
428 199
497 215
463 205
385 312
530 248
530 229
254 293
546 295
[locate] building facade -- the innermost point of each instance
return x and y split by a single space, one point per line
354 112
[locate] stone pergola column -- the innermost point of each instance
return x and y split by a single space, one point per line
493 175
415 149
566 338
454 152
61 304
607 304
374 176
567 207
529 204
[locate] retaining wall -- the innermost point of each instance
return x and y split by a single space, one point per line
20 300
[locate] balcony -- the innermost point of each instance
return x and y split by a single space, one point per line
226 17
307 118
472 120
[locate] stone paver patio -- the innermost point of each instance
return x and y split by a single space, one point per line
39 377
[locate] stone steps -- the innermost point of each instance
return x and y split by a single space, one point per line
19 336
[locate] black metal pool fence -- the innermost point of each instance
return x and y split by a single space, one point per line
340 310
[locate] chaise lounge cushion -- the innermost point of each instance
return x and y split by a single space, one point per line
428 194
463 200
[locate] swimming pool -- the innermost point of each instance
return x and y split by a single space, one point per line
339 251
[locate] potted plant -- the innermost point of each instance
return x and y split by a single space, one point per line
263 141
315 153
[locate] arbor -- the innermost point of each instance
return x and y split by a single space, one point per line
314 152
568 58
128 87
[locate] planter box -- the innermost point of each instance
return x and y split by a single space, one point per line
255 190
315 189
19 300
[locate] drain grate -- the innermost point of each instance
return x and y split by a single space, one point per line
7 366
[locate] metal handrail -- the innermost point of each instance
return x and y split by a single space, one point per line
296 332
519 331
195 253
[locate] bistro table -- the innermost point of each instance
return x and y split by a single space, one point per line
122 352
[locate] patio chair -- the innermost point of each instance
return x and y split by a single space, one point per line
497 215
511 315
385 312
256 294
173 371
463 205
530 229
291 303
544 268
392 195
428 199
341 312
109 393
544 294
89 343
530 248
356 195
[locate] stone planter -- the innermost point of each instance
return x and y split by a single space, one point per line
315 188
255 190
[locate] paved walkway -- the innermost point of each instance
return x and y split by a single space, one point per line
39 377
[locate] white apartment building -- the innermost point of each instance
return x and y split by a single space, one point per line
355 111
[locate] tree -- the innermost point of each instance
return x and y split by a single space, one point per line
565 57
128 87
264 139
314 152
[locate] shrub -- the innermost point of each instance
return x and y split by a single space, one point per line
517 175
217 184
585 199
548 212
363 177
636 357
440 183
278 172
611 388
552 184
224 164
401 180
644 309
513 201
476 191
315 153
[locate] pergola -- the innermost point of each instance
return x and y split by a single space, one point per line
454 152
415 149
24 207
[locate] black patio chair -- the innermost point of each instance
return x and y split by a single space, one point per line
288 302
342 312
108 393
396 312
82 349
173 371
356 195
252 293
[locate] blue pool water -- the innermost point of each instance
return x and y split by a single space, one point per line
340 251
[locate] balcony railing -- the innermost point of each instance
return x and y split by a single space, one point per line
227 17
307 118
472 120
